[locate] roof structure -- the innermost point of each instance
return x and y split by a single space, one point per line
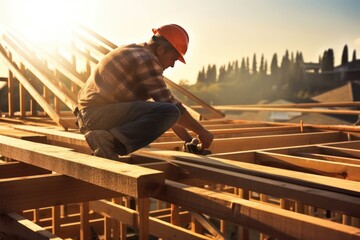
263 180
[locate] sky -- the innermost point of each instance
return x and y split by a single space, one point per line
220 30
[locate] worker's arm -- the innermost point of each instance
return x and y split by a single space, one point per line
187 121
182 133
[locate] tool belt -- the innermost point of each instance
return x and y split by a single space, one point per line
80 121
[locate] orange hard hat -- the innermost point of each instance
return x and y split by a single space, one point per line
176 36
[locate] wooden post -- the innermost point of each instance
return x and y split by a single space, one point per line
56 99
243 232
11 91
55 219
123 227
84 221
115 224
22 92
143 207
175 215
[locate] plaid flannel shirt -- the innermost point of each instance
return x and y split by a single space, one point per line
129 73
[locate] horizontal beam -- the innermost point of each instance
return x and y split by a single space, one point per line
157 227
19 169
329 200
288 109
261 142
32 192
17 227
299 178
124 178
321 167
273 221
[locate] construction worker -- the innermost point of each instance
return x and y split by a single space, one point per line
113 108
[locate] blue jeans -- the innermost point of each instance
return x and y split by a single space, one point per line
133 124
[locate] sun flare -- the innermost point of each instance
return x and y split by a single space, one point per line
47 22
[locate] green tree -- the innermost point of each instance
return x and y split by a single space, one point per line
254 65
354 56
327 63
211 74
345 55
201 76
274 67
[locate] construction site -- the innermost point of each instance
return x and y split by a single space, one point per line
262 180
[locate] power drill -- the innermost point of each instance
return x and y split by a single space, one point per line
195 147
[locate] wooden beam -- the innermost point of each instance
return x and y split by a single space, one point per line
31 192
208 225
40 100
11 83
330 158
124 178
282 189
43 77
262 142
299 178
19 169
58 62
321 167
295 109
273 221
59 137
18 227
157 227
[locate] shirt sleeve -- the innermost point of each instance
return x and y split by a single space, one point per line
154 84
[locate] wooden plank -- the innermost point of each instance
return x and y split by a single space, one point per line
299 178
17 227
282 189
143 208
59 63
11 83
47 190
273 221
19 169
261 142
340 151
22 94
43 77
124 178
39 99
25 135
330 158
334 169
278 109
84 221
157 227
237 132
208 225
59 137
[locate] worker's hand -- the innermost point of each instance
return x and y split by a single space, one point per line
206 138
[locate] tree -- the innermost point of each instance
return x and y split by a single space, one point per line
254 65
345 55
222 74
201 76
262 64
354 56
327 63
274 67
211 74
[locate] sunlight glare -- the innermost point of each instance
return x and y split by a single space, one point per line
47 22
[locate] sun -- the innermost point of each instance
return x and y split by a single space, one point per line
46 22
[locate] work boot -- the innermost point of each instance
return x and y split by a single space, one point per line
102 143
